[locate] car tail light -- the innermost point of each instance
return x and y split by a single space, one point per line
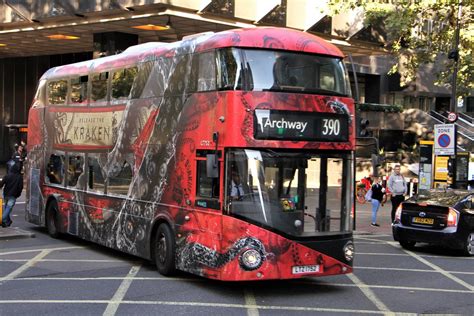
398 213
453 216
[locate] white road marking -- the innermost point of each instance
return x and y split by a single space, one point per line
437 268
30 263
121 291
251 303
38 250
71 260
407 288
199 304
368 293
410 270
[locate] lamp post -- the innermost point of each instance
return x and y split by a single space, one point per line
454 54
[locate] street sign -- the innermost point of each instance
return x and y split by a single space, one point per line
452 117
445 139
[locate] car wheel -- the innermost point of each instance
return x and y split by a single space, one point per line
165 250
407 244
52 219
469 245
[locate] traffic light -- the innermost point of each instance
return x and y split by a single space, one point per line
376 162
363 131
454 54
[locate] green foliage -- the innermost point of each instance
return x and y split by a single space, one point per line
422 32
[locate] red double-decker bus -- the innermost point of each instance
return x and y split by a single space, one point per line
227 155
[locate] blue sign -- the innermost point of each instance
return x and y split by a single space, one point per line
444 140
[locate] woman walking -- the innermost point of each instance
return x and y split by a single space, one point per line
377 196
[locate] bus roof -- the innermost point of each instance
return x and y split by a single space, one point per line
260 37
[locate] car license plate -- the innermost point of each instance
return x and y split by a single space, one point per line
305 269
425 221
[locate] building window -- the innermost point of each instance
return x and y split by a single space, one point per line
79 89
99 86
122 82
57 92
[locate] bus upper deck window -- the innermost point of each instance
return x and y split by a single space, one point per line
79 89
206 80
57 91
122 81
99 86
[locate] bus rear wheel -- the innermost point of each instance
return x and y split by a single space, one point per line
52 219
164 250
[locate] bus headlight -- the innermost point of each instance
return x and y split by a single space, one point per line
349 251
250 259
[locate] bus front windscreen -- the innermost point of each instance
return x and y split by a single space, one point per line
284 71
297 194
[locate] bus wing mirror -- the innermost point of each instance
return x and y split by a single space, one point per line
212 166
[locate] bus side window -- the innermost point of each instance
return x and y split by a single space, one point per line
57 92
120 179
74 170
207 189
96 179
79 89
122 81
99 86
206 71
55 169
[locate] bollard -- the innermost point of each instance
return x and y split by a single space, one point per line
1 211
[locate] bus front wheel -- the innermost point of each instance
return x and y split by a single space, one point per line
52 219
164 250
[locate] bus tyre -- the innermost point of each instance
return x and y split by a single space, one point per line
165 250
407 244
52 219
469 245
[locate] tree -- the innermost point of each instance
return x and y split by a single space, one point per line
421 32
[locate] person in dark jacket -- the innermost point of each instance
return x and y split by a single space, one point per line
12 185
377 196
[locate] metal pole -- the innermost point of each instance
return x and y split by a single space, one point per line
455 70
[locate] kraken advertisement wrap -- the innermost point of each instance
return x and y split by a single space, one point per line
118 166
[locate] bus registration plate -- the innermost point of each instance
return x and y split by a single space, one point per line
305 269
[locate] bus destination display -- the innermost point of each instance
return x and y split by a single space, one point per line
288 125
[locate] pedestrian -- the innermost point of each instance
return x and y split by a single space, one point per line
378 192
12 185
398 188
19 155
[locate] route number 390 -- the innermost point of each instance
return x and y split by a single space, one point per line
331 127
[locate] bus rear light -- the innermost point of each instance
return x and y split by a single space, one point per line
453 216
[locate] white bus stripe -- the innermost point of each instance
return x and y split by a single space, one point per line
121 291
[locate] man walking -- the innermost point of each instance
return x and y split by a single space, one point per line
13 185
398 187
